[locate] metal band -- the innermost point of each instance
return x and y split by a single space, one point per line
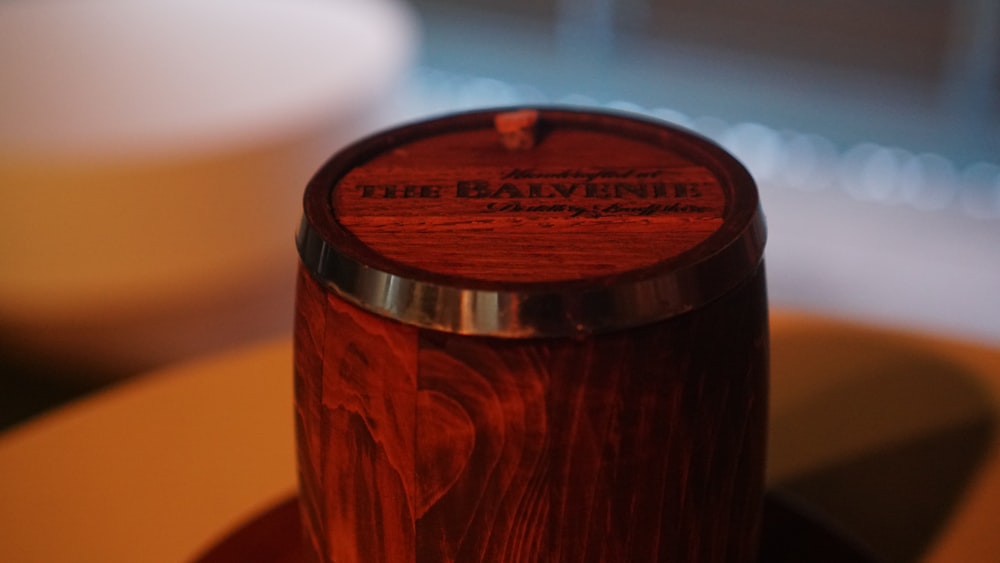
514 313
600 305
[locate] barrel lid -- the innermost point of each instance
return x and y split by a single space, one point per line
531 223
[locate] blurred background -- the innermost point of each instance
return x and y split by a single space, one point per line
872 127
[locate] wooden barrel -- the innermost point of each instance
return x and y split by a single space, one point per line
532 335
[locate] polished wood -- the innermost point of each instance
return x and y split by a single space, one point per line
641 446
581 203
792 533
532 336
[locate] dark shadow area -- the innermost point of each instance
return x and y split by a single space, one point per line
897 499
30 386
791 534
794 532
898 429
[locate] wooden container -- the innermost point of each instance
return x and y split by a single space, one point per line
531 336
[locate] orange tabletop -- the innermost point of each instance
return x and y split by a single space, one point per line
892 433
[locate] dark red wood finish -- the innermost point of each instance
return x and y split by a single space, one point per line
789 534
641 446
546 351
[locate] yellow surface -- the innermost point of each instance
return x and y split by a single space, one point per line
158 468
152 470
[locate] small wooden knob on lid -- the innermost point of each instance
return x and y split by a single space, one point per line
531 336
532 223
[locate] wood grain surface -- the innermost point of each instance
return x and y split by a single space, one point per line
579 204
790 533
641 446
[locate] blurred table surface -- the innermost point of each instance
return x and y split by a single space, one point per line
890 432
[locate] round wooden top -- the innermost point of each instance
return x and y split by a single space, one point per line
579 204
521 203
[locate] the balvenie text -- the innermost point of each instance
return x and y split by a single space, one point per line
521 183
566 190
652 191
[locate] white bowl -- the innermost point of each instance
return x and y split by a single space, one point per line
152 160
